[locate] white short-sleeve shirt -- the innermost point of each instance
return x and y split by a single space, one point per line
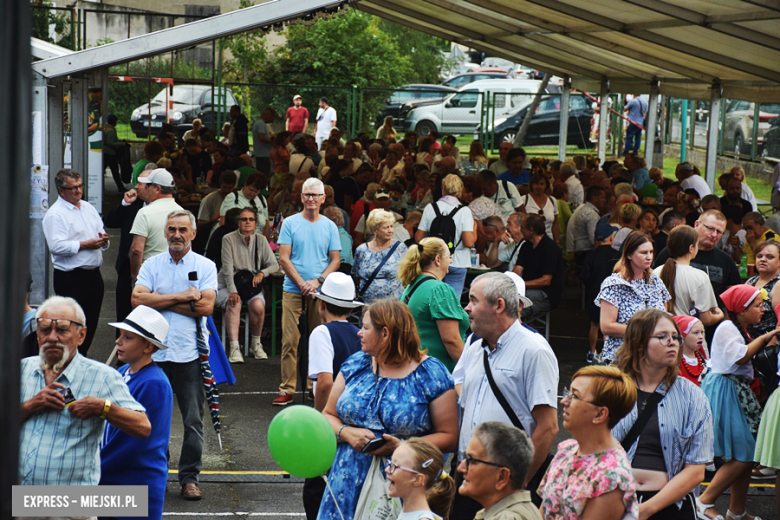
698 184
550 210
464 221
728 347
320 353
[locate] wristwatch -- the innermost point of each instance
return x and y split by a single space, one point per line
321 280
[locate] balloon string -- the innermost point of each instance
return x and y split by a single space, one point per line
333 497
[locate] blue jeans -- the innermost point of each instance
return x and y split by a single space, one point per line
456 278
187 383
633 139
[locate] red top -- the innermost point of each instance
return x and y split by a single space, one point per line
358 210
692 373
298 118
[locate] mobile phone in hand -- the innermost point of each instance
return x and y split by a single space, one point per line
374 444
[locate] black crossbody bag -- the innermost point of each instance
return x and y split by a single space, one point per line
243 279
533 484
648 408
376 271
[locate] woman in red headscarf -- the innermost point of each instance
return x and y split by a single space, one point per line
693 355
735 408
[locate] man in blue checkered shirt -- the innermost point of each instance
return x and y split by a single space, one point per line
66 400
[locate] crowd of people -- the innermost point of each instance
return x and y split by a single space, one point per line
413 360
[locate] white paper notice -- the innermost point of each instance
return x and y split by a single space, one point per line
39 191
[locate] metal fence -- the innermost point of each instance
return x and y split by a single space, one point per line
747 130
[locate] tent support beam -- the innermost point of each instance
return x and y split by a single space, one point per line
712 134
603 119
563 132
652 116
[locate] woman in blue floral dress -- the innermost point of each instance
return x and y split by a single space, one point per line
392 390
370 255
630 289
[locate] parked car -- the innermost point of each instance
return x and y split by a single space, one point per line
189 102
738 125
771 146
460 80
409 93
461 112
546 123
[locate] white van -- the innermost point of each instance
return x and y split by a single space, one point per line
460 113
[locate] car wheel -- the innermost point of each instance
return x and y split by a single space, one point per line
424 128
508 136
738 144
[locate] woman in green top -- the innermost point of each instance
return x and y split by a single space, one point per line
440 319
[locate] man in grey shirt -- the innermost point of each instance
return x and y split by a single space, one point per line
581 229
262 141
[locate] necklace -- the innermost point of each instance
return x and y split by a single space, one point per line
693 371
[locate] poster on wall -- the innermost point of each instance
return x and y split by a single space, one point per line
95 156
39 191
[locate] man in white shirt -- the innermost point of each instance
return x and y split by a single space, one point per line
686 174
209 206
156 190
500 166
569 177
522 364
76 238
503 193
326 120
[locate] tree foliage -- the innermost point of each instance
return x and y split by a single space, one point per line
49 26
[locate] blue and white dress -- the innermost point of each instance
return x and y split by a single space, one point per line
404 408
629 298
386 284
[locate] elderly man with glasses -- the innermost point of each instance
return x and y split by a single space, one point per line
76 238
66 401
309 250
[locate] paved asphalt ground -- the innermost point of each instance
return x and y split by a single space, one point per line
242 479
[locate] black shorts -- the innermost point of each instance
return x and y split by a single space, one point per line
686 512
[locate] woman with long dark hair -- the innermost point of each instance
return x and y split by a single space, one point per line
735 408
631 288
670 452
690 289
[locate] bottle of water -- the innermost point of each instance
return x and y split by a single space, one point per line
475 258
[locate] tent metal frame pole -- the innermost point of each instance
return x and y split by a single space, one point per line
563 131
683 130
652 117
712 134
603 120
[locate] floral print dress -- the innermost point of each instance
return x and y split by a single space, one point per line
386 284
629 298
403 407
572 479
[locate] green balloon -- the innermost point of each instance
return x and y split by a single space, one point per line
302 441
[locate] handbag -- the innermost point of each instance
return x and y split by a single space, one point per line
533 484
243 279
374 503
373 275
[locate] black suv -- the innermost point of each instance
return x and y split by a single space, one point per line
189 102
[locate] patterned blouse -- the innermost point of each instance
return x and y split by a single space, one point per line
386 284
769 319
629 298
572 479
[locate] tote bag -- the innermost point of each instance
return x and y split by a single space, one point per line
374 503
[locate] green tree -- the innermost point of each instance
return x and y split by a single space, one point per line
424 51
249 58
51 27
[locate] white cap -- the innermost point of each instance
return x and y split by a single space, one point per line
160 177
338 289
520 284
147 323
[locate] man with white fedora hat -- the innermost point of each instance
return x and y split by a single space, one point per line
330 345
127 460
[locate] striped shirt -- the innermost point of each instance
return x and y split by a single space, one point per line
55 448
685 422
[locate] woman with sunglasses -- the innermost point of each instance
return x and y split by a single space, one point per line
388 392
735 408
631 288
668 454
537 202
591 472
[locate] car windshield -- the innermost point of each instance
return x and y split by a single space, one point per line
771 108
183 94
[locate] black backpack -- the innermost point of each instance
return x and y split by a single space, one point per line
443 226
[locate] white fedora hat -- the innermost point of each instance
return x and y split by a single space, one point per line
520 284
338 289
147 323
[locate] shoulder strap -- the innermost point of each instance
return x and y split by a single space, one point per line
235 194
415 286
378 268
436 209
257 253
641 421
497 392
366 211
506 188
262 200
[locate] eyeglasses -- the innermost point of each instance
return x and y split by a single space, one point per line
392 466
666 339
62 326
468 459
248 219
72 188
569 395
312 195
711 229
